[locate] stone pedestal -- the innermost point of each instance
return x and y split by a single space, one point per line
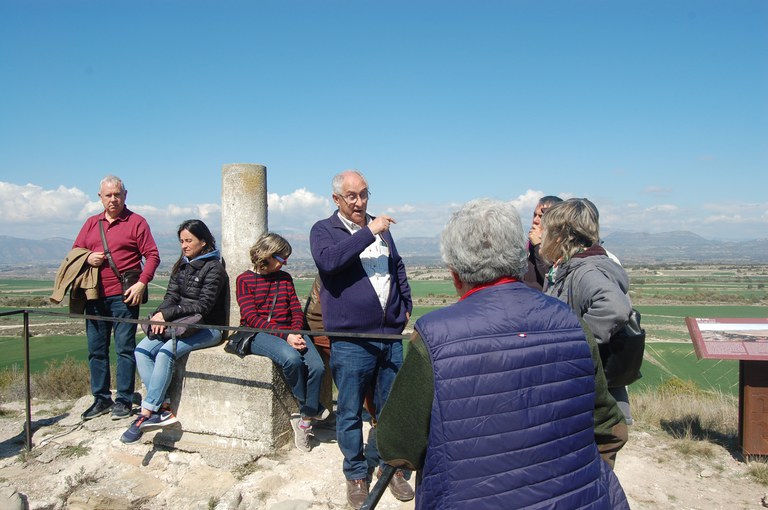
229 408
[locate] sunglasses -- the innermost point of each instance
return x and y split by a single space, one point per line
280 259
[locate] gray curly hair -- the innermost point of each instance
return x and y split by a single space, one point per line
483 241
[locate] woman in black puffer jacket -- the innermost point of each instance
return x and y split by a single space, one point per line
198 285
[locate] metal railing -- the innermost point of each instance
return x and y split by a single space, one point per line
25 334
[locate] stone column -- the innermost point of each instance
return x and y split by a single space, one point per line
232 409
243 220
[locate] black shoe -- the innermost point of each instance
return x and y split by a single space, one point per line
121 410
98 408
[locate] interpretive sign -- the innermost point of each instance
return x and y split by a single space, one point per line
744 339
747 341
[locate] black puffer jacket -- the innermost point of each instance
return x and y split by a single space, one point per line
200 286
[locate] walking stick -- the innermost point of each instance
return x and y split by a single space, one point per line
378 489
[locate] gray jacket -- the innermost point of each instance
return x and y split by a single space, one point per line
596 289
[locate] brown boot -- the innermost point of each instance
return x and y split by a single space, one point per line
399 486
357 491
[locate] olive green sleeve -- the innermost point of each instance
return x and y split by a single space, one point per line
610 428
402 433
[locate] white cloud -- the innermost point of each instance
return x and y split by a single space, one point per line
664 208
405 209
32 212
719 220
657 189
724 218
301 199
33 204
295 213
527 202
420 220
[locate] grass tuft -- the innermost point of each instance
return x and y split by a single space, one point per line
758 470
78 450
690 415
74 482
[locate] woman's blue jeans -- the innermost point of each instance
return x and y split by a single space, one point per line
155 359
303 371
358 365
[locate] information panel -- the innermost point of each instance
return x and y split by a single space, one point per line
743 339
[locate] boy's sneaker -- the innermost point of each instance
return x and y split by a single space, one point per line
302 432
98 408
121 410
159 420
134 432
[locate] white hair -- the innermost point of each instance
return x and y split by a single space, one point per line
338 180
483 241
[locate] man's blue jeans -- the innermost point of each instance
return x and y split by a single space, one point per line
155 359
303 371
99 333
357 365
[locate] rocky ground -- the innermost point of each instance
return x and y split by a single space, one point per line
78 465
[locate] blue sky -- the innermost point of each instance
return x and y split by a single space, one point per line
655 110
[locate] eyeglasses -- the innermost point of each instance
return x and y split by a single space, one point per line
280 259
351 198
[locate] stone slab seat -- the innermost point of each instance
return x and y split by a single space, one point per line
230 409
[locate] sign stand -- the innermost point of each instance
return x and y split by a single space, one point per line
747 341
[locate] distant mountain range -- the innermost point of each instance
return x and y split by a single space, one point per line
632 248
682 246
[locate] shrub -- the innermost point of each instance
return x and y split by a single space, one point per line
12 385
62 379
67 378
679 387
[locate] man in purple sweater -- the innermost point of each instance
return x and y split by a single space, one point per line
365 290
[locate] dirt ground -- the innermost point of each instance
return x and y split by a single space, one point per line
83 466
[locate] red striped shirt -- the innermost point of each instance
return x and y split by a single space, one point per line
255 294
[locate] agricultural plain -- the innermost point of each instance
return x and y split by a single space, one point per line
665 295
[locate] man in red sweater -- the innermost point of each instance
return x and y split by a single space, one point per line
129 239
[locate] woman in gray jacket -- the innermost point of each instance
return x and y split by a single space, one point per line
584 276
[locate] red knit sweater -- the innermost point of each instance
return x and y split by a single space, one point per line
255 294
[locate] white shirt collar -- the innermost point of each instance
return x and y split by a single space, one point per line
351 225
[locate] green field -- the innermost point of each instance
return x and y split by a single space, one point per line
43 349
419 288
669 352
665 360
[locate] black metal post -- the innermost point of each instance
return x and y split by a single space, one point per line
28 424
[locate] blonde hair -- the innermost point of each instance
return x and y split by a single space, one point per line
267 245
570 227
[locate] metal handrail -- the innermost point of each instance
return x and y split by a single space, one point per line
25 334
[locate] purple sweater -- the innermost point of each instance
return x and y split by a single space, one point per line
347 298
